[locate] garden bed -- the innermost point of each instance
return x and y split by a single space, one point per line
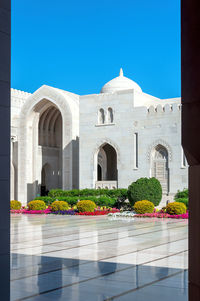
66 212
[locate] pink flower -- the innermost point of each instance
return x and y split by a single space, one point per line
163 215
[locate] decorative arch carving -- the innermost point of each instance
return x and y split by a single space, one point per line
101 143
62 102
67 104
163 143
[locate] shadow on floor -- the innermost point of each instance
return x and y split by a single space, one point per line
42 278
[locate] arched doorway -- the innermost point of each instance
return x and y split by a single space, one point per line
159 166
33 143
44 149
106 167
50 148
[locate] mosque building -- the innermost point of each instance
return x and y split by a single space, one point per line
108 140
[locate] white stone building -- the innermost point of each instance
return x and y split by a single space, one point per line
63 140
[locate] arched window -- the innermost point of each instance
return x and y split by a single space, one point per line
110 115
101 116
159 166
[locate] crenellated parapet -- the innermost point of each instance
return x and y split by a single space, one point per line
19 93
18 97
167 108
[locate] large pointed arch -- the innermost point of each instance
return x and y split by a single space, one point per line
67 104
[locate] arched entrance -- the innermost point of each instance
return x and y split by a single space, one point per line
50 148
106 167
46 116
159 166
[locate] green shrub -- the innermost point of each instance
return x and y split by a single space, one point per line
143 206
15 205
176 208
86 206
181 194
59 205
36 205
100 201
112 193
145 189
183 200
104 201
55 193
70 200
48 200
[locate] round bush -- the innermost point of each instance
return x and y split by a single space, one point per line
15 205
48 200
176 208
86 206
145 189
59 205
143 206
36 205
182 200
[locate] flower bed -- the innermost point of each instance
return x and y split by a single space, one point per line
66 212
99 212
96 212
26 211
163 215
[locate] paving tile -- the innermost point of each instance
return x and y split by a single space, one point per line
82 258
154 293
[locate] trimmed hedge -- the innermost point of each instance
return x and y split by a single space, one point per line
183 200
48 200
182 197
143 206
102 197
15 205
176 208
59 205
145 189
36 205
112 193
99 201
86 206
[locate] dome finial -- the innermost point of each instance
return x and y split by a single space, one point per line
121 72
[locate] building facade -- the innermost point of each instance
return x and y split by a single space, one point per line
107 140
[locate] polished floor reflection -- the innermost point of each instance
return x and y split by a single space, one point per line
98 258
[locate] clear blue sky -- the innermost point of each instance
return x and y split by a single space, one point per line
80 45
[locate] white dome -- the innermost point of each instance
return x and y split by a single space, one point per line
120 83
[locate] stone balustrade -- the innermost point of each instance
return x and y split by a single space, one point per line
106 184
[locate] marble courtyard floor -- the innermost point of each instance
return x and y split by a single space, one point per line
96 258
